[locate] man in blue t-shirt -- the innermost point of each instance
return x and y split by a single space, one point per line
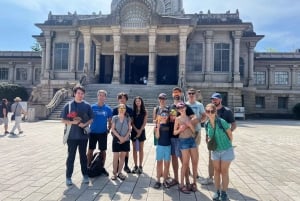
100 127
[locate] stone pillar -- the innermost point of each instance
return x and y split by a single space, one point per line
183 33
251 46
30 72
43 52
87 51
208 69
12 73
73 39
48 36
236 67
117 43
270 76
152 56
293 76
98 51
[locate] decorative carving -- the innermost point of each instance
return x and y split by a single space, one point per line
35 95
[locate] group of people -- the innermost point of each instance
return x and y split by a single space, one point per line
177 135
17 109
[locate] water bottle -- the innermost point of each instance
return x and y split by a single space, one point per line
137 145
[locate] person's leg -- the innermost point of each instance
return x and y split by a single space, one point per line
116 156
185 164
225 174
126 167
16 125
121 161
83 158
194 158
210 166
159 170
134 153
72 147
141 154
18 122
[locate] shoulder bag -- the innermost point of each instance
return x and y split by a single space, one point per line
67 129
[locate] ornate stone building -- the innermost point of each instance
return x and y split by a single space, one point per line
155 40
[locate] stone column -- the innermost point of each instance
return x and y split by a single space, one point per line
270 76
292 75
43 47
30 72
73 39
251 46
183 33
208 69
87 51
152 56
117 43
11 75
48 36
236 67
98 51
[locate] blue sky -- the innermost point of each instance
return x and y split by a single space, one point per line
278 20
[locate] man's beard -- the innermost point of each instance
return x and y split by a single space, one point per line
217 104
176 97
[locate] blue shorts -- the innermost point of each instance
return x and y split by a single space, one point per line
224 155
187 143
175 149
163 153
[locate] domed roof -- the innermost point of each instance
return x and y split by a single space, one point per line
162 7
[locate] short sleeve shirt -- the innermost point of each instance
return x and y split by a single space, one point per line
82 110
101 116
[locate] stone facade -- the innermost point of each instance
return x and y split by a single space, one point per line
155 40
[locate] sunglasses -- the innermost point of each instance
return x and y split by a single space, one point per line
180 107
210 111
191 93
164 115
122 108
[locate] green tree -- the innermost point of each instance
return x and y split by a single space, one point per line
36 47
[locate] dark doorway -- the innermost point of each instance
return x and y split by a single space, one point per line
167 70
106 68
136 70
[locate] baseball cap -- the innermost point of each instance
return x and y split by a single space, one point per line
216 96
162 96
180 105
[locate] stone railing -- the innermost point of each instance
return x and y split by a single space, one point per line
58 97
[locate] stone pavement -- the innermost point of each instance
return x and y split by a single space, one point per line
267 166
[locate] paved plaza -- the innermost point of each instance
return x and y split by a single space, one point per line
267 166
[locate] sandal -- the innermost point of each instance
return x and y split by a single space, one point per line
184 190
172 183
194 187
121 176
114 177
166 185
157 185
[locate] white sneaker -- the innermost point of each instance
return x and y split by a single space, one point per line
207 181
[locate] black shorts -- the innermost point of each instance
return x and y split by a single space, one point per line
116 147
141 138
101 138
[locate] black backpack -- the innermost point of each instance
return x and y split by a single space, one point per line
97 167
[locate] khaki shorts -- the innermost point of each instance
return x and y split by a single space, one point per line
198 137
4 121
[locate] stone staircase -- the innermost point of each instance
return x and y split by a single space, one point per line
148 93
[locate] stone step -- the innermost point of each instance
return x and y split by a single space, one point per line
148 93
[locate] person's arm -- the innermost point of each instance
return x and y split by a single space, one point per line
177 128
233 126
144 123
154 115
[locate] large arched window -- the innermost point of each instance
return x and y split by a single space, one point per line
135 14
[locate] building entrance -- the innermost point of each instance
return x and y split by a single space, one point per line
167 70
106 68
136 69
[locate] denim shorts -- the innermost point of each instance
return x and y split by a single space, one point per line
163 153
223 155
187 143
175 149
